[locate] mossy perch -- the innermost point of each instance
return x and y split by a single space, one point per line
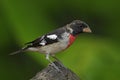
50 73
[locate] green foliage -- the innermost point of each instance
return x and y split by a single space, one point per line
93 56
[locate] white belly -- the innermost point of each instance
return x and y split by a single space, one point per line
54 48
51 48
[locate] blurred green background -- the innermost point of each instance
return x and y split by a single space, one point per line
93 56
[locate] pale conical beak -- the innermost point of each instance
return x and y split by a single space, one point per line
87 30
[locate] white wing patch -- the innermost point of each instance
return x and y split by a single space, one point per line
53 36
43 42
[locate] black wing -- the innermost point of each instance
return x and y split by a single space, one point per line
45 40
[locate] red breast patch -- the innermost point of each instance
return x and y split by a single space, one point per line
71 39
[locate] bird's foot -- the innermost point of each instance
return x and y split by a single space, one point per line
58 60
53 64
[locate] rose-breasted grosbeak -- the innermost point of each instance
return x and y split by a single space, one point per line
57 40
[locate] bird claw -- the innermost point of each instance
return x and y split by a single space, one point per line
47 57
55 67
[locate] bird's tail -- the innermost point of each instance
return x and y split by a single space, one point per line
19 51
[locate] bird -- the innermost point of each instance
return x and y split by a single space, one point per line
56 40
